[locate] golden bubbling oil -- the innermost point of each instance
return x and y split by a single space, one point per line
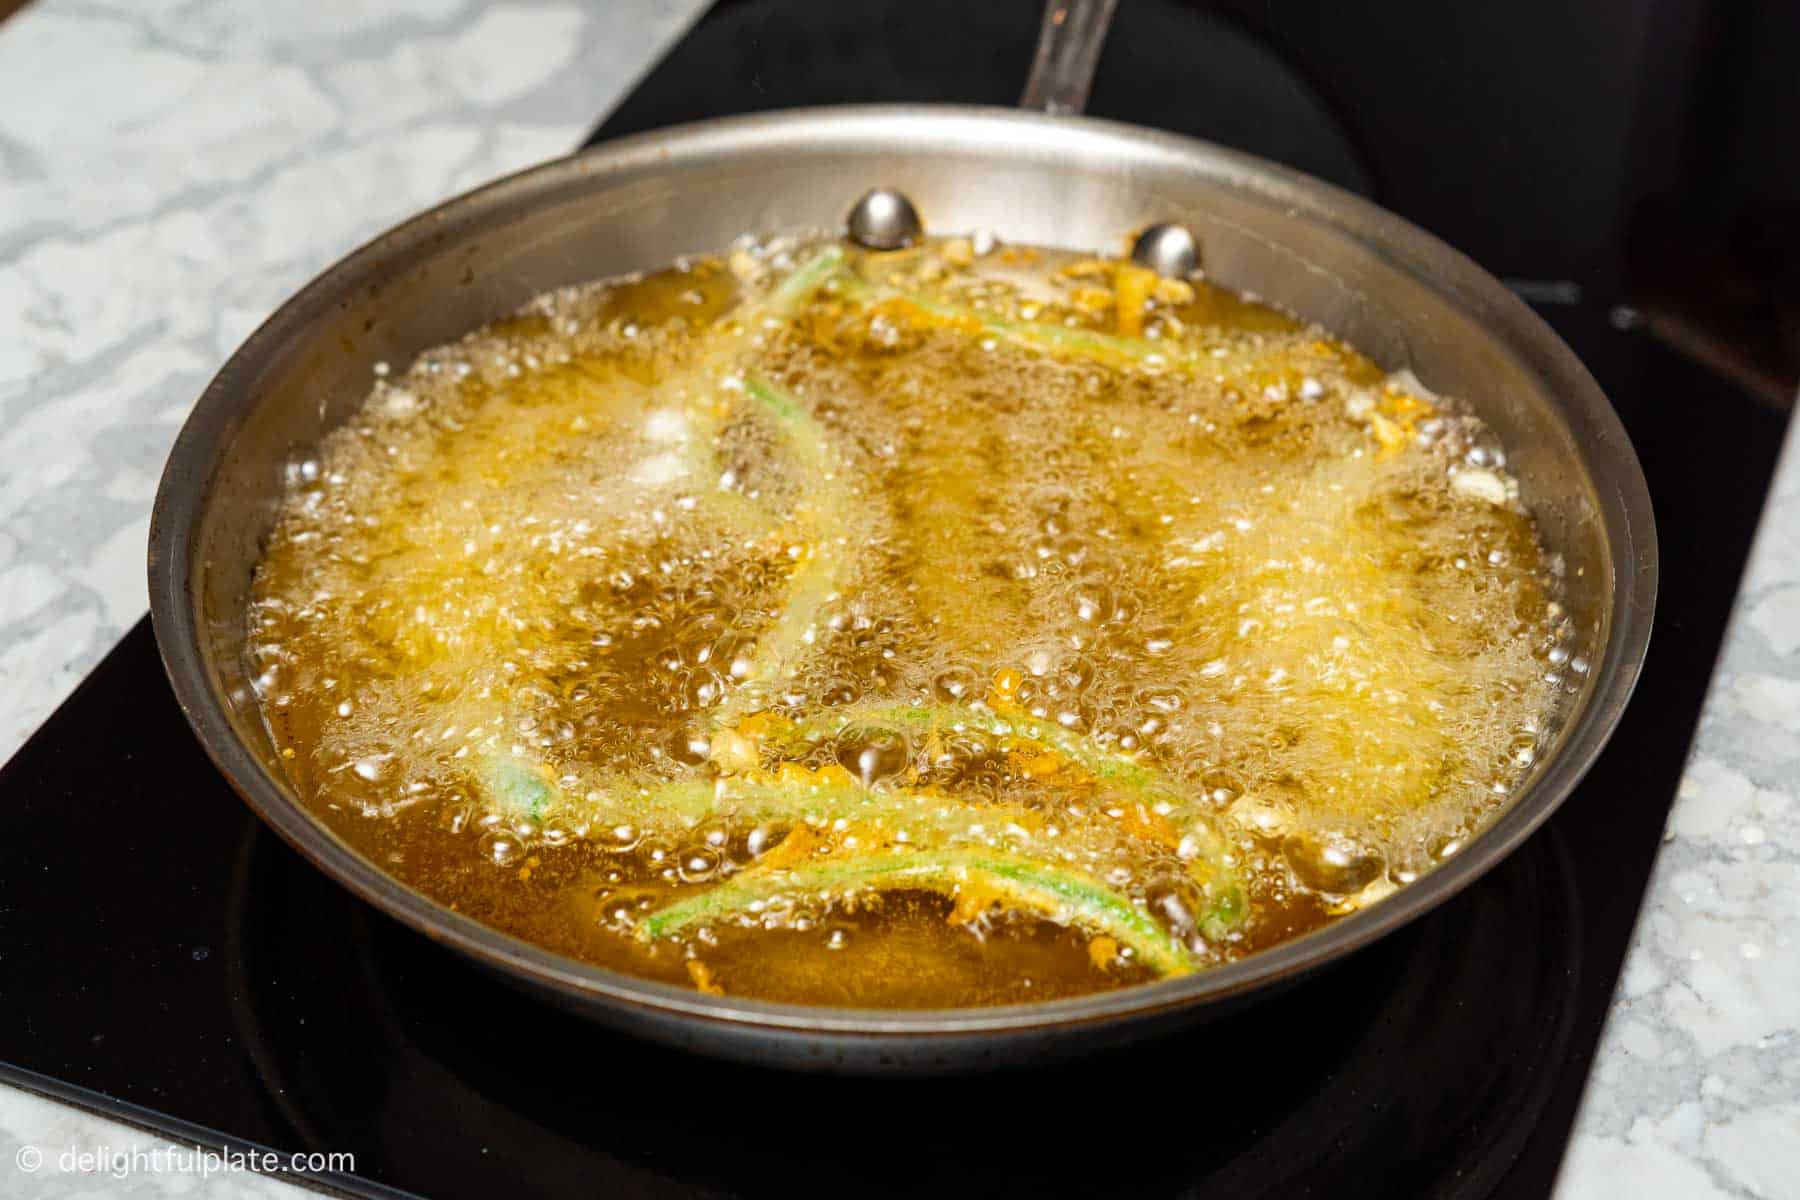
1212 543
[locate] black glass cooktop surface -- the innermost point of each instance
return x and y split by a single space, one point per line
166 961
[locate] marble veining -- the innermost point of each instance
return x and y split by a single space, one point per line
170 170
1696 1091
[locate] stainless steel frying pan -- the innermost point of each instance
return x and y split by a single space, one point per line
1397 293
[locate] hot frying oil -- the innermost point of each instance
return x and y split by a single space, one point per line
923 629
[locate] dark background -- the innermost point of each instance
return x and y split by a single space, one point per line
1644 149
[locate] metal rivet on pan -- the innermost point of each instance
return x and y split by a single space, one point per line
1170 250
884 219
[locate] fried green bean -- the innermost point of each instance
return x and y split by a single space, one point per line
804 280
526 790
1032 335
815 578
520 787
1131 775
1060 894
720 360
1122 775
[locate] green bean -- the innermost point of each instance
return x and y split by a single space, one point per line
519 787
1121 774
1111 766
1067 896
823 496
1044 335
522 788
805 279
722 352
940 821
1048 336
1031 335
806 437
674 807
1238 365
721 356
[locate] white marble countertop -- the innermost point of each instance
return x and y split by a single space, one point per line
1696 1089
170 172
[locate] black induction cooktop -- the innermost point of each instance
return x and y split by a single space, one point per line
166 961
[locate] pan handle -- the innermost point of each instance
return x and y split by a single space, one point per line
1068 50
